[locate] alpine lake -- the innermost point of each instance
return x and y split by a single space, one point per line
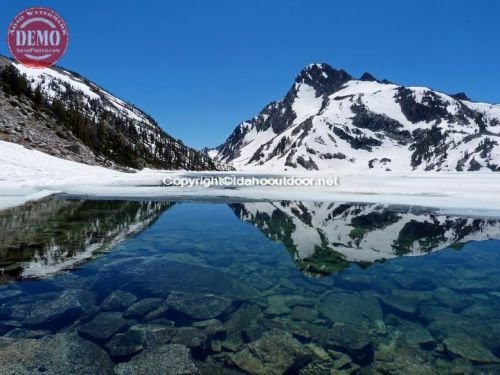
217 287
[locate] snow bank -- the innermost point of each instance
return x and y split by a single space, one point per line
28 175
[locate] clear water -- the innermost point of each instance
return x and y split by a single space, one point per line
261 287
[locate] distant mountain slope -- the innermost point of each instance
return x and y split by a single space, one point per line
64 114
329 120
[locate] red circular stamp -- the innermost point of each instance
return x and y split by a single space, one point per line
37 37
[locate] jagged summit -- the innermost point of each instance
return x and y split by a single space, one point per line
368 77
460 96
323 78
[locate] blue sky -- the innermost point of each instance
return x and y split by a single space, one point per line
201 67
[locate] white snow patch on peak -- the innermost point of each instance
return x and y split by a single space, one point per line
306 104
315 65
49 78
212 153
43 76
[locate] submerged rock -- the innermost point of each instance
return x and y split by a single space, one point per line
350 308
276 305
276 352
59 354
68 306
118 300
160 276
417 283
318 352
469 348
198 306
319 333
406 360
353 340
126 344
238 322
194 338
304 313
171 359
400 304
448 325
18 333
154 334
213 328
428 312
418 336
482 311
207 323
157 313
142 307
216 367
298 329
330 363
104 325
449 298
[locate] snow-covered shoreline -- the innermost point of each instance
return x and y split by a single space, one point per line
29 175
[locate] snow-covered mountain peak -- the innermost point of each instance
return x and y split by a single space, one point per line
329 120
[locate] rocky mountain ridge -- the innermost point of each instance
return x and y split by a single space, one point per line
330 120
66 115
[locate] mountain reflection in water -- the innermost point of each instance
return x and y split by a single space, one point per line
204 291
49 235
324 238
43 237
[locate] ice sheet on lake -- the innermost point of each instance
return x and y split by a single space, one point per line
28 174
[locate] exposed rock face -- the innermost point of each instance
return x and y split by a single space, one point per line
66 115
22 124
327 112
367 77
323 78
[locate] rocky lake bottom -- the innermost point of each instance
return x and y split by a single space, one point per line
157 287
